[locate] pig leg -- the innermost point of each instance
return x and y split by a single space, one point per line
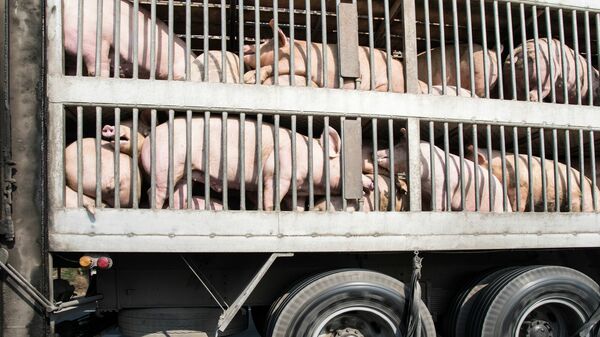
269 71
90 62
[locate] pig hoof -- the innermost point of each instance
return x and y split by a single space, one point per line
250 77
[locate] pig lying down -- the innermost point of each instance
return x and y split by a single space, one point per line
215 169
267 62
126 45
400 165
107 156
568 76
577 191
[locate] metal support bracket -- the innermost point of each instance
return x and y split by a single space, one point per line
25 285
230 313
586 329
7 187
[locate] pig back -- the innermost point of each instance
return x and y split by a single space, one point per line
107 156
215 67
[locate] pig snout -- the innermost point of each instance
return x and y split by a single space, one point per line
108 132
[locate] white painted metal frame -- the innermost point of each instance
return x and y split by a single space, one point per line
143 230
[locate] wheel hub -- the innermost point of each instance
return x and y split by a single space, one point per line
539 328
348 333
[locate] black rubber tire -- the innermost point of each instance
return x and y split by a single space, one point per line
188 322
499 306
460 312
299 311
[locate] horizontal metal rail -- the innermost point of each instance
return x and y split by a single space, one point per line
251 231
295 100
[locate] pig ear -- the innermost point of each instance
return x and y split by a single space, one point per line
481 159
335 142
280 34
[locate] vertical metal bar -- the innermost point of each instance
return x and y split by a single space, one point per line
570 170
188 41
491 184
292 44
530 171
593 170
259 161
461 154
414 161
524 49
550 55
392 191
153 41
476 168
79 156
99 12
543 167
308 45
241 39
388 42
432 165
343 164
153 158
188 158
242 156
517 165
56 144
171 45
375 165
563 59
224 162
442 44
511 51
372 49
311 192
224 41
598 39
456 47
134 156
582 168
428 46
117 39
409 24
171 140
326 161
447 167
557 187
294 165
576 55
206 164
136 39
79 70
538 73
277 176
324 43
205 40
486 75
588 56
98 156
470 46
498 51
117 171
505 201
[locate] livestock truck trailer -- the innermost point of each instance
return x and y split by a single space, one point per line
309 168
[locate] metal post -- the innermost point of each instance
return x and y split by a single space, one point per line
410 48
414 160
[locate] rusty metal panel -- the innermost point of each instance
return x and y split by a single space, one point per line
352 159
348 27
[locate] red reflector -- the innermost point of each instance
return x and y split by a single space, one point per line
104 262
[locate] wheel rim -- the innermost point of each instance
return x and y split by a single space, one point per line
554 317
356 321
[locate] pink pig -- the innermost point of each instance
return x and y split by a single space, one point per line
267 61
107 43
215 167
401 163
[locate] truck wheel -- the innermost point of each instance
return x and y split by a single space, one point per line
188 322
345 303
545 301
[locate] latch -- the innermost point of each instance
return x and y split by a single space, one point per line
9 185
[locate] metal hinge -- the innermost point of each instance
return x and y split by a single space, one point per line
9 185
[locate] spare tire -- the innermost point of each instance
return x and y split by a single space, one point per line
169 322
